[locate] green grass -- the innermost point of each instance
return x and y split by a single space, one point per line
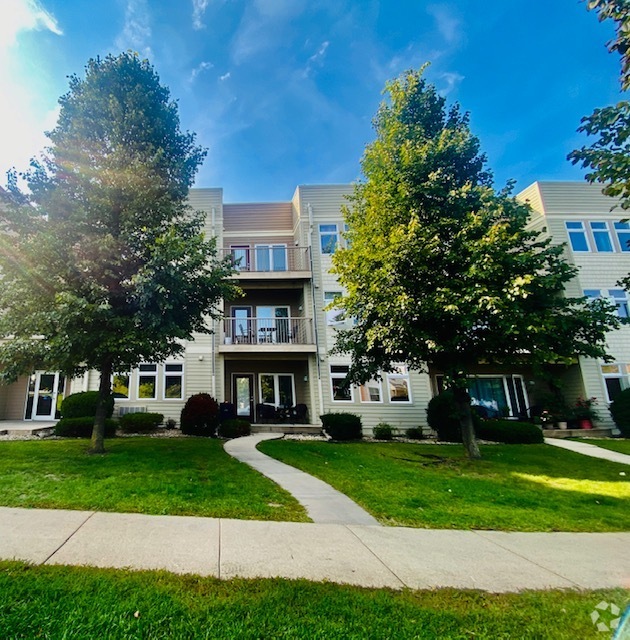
77 603
514 487
176 476
618 444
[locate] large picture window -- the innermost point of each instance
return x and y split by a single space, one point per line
271 257
120 386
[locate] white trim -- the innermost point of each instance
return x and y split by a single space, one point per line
166 373
399 376
139 374
339 376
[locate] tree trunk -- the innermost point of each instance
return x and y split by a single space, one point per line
104 391
462 399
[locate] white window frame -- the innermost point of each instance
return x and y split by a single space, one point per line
147 373
129 387
365 388
623 229
338 375
619 297
270 252
334 316
276 387
401 374
581 229
605 230
334 233
173 374
620 372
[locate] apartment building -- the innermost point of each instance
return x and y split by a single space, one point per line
271 352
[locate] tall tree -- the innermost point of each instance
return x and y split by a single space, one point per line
440 270
102 262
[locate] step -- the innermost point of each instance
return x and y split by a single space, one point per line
304 429
578 433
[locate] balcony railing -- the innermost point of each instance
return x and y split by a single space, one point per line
268 331
272 258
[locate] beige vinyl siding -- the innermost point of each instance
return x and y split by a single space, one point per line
258 217
209 200
575 199
3 401
15 399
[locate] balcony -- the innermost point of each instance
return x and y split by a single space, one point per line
270 261
267 335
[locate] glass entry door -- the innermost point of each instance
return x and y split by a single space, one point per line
243 395
45 392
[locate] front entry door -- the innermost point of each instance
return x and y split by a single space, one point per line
243 395
43 390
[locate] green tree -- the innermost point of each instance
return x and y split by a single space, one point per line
102 262
440 270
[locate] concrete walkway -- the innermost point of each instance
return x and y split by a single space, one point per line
323 504
589 450
354 554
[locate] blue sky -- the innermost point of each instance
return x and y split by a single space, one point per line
282 92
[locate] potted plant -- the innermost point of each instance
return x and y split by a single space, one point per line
584 412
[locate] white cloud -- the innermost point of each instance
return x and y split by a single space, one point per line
448 25
24 15
450 80
316 59
200 68
136 32
199 8
225 76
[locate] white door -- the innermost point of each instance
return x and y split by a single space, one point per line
43 390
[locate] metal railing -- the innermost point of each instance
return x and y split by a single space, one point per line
268 331
269 258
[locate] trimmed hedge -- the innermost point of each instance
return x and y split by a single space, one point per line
140 422
342 426
509 432
234 428
80 405
620 412
82 427
415 433
383 431
200 416
443 417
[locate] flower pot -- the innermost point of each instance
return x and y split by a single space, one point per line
585 423
562 424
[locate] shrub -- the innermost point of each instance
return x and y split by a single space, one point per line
415 433
81 405
383 431
82 427
140 422
170 423
620 412
509 432
443 417
342 426
234 428
200 416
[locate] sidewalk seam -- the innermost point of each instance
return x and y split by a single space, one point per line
93 513
536 564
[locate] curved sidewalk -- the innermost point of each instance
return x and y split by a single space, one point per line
589 450
323 504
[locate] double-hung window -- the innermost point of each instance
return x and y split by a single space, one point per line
619 298
147 381
623 235
398 384
577 236
601 236
340 392
173 381
328 237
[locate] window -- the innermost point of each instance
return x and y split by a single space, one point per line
623 235
173 381
601 235
120 386
619 298
398 384
592 294
615 378
577 236
147 381
329 237
271 257
371 391
240 257
277 389
333 316
340 392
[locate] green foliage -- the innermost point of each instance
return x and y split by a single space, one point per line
342 426
443 417
620 412
105 264
200 416
83 404
509 432
81 427
140 422
441 268
234 428
383 431
415 433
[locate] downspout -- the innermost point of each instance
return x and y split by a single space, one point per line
213 357
320 389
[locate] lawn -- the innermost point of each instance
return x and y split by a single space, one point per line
73 602
176 476
620 445
514 487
